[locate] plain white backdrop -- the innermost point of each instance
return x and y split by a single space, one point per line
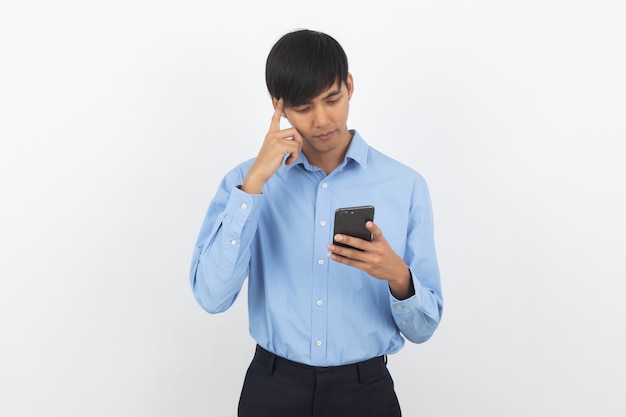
119 118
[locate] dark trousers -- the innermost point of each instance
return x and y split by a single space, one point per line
277 387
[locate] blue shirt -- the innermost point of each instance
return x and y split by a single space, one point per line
303 306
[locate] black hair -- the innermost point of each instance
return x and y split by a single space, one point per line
303 64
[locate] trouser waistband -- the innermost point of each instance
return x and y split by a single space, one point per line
357 372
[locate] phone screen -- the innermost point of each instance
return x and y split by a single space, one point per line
351 221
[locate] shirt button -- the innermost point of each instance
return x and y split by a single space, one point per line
404 323
233 242
325 185
320 302
318 342
323 223
321 262
399 307
244 206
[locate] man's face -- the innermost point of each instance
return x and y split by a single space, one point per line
323 123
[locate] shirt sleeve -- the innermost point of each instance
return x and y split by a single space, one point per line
221 256
418 316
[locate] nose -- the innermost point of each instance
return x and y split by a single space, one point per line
320 117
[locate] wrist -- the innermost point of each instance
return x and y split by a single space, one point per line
402 288
252 186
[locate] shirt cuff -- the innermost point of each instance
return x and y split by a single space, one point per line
413 302
243 206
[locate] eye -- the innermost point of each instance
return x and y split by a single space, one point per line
301 109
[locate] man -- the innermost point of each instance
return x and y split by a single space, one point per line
324 316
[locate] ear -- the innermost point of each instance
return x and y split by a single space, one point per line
350 85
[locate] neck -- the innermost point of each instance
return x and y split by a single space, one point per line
327 165
330 159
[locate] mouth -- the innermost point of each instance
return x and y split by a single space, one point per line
326 135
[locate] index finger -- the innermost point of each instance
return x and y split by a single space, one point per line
278 112
346 243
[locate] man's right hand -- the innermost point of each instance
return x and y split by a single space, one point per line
276 145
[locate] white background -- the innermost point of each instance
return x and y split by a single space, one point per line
118 119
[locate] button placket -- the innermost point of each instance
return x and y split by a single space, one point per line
323 211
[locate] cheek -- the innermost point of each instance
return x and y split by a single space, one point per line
340 113
300 123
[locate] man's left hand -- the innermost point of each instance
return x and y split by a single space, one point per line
377 258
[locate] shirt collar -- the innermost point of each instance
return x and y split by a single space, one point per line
357 151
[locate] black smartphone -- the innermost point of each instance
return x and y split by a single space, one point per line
351 221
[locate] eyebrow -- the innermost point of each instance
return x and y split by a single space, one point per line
330 94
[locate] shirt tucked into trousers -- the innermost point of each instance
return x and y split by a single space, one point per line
277 387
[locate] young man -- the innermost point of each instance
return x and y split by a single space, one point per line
324 316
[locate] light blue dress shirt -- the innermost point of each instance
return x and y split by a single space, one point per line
302 305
